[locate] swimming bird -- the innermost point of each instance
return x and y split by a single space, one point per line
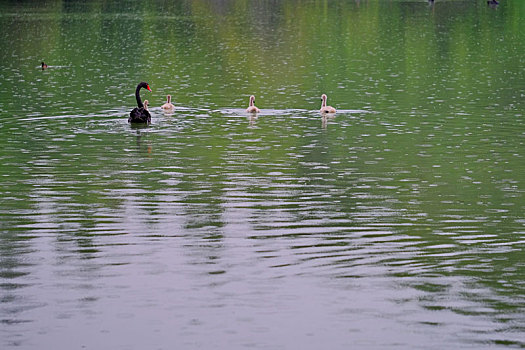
140 114
324 108
251 108
44 66
168 104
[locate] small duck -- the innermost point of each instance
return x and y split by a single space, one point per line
251 107
146 103
44 65
324 108
168 104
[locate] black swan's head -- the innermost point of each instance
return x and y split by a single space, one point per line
137 92
144 85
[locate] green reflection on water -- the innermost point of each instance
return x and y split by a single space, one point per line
425 179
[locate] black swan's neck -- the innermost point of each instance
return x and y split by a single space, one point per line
137 96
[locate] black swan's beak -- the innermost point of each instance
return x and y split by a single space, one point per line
147 87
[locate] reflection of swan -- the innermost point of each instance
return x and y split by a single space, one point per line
492 2
168 104
251 108
325 118
140 114
147 146
252 119
324 108
44 66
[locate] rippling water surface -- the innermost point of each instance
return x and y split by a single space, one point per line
398 223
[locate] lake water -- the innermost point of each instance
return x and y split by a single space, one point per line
398 223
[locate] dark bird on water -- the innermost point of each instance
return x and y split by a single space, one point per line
44 66
140 114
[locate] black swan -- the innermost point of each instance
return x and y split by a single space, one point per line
44 66
168 105
324 108
251 107
140 114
